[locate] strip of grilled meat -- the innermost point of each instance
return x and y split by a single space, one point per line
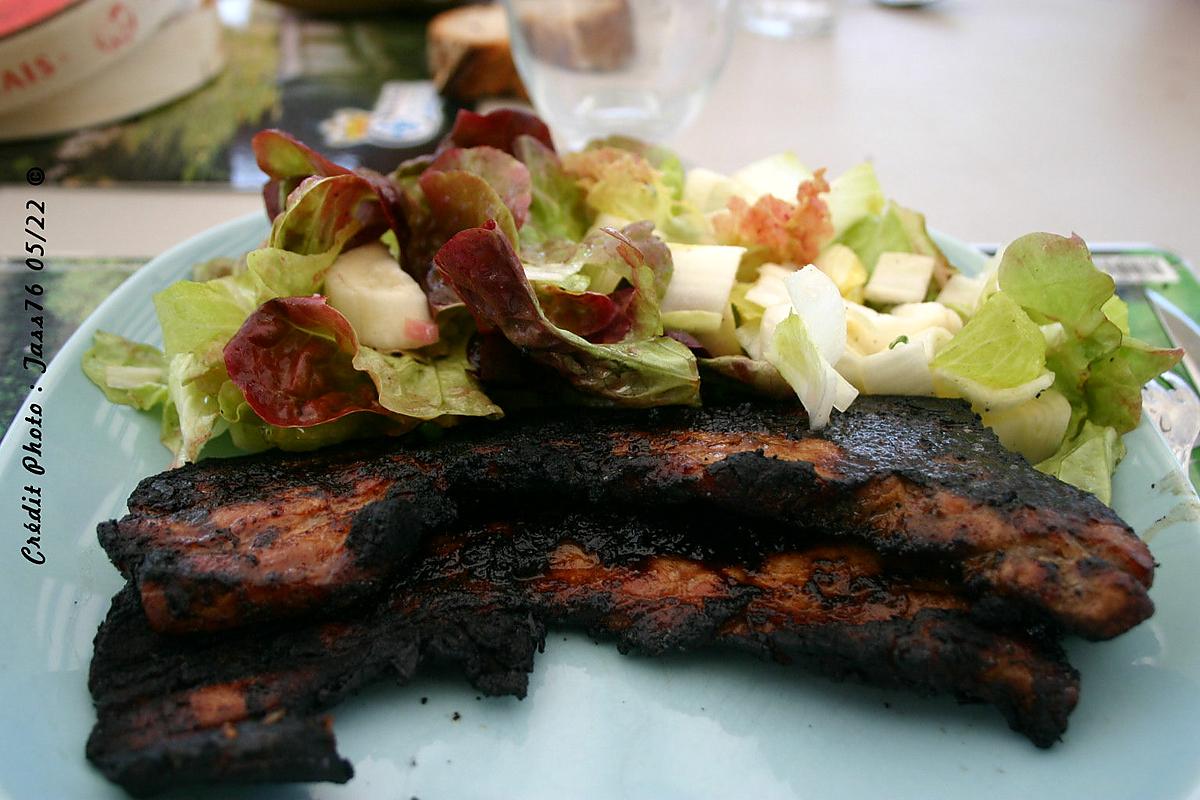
223 543
246 704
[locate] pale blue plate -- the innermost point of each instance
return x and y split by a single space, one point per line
595 724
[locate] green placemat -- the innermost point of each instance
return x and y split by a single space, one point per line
72 288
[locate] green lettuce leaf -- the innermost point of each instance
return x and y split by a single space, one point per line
557 210
128 373
1097 366
875 234
853 196
999 347
1087 460
895 229
627 185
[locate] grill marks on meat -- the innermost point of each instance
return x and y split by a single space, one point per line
248 705
221 544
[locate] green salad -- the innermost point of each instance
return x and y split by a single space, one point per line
497 273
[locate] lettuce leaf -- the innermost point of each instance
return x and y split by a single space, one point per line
1097 366
289 162
460 200
508 177
1088 460
482 266
895 229
638 267
853 195
999 347
627 185
757 376
500 129
557 209
128 373
298 363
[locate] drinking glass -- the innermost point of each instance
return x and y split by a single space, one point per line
637 67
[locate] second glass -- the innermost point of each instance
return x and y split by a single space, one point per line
636 67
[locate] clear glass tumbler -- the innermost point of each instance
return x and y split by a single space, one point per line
637 67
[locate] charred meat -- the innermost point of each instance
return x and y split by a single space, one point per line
249 704
225 543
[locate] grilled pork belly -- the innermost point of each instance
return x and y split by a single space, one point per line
249 704
225 543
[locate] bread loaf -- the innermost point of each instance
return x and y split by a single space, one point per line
585 35
469 56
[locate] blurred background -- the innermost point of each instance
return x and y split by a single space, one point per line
993 118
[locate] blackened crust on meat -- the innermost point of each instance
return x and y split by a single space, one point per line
480 598
912 477
940 652
245 706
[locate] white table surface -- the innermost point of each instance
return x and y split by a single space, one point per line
994 117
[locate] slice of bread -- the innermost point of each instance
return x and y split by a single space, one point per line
469 56
593 36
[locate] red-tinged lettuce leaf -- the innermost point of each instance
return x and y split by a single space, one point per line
460 200
690 342
650 268
581 313
788 233
437 206
282 155
485 272
499 129
323 213
557 210
288 162
293 361
730 374
298 363
635 263
506 175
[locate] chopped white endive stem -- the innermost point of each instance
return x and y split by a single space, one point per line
850 367
702 277
805 338
384 305
1054 334
903 369
869 331
846 270
768 289
962 294
724 340
123 377
819 303
1035 428
771 318
900 278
